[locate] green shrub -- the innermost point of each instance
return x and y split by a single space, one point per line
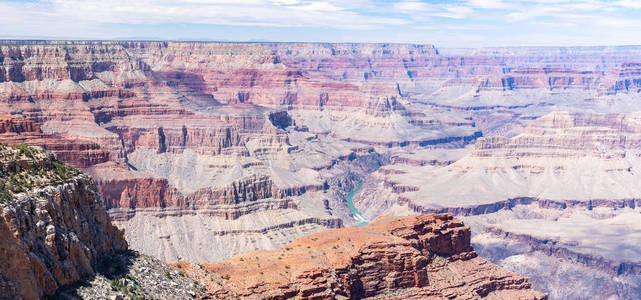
115 285
5 194
15 179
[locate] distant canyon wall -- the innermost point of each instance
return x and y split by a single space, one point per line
267 138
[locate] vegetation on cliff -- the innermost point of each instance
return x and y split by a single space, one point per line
24 168
54 230
132 275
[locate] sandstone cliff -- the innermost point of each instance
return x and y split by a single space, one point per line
53 226
418 257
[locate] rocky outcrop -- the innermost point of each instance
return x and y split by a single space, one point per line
415 257
54 229
257 142
18 125
544 78
139 193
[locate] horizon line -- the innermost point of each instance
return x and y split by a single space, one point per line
38 40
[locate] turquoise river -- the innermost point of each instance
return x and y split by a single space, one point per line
350 203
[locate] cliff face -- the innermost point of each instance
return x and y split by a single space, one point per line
76 152
544 203
53 226
172 129
410 258
553 246
205 150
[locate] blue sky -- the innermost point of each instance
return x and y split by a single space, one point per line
458 23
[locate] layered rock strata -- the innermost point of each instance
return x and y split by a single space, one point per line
76 152
418 257
54 229
594 249
205 150
556 194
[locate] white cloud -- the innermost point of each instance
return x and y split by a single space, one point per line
413 7
619 23
634 4
418 10
456 12
318 7
285 13
490 20
488 4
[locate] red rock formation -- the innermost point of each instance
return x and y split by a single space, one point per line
17 125
102 105
139 193
78 153
152 94
625 78
410 258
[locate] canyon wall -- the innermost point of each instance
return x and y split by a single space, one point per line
204 150
54 229
242 137
557 201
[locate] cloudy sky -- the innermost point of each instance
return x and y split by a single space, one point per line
456 23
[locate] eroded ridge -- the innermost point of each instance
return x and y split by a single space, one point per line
54 229
418 257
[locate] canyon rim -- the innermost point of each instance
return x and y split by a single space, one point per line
304 149
201 151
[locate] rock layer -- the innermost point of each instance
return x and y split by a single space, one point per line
556 193
250 145
55 231
412 257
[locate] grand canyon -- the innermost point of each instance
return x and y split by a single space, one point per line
324 170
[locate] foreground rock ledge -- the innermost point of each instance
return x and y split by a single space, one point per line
418 257
54 229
